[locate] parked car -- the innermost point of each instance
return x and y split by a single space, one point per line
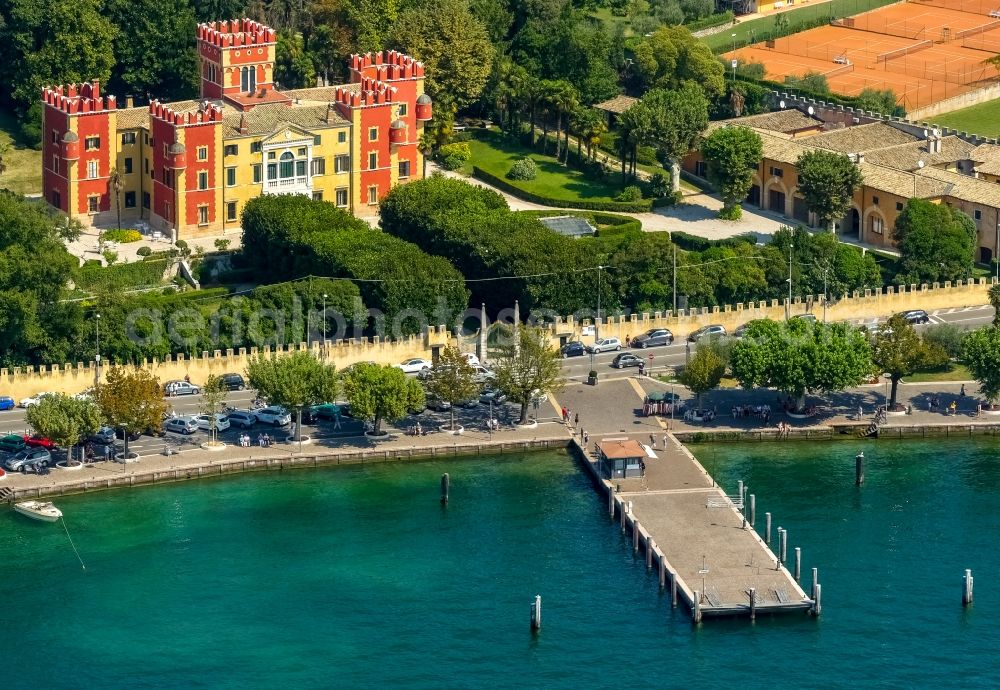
7 403
12 443
574 348
39 441
204 422
491 396
233 382
810 318
172 388
244 419
471 358
326 411
653 337
415 365
181 425
104 436
482 374
278 416
87 394
916 316
28 458
605 345
626 359
33 399
714 331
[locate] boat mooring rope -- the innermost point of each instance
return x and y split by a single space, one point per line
63 521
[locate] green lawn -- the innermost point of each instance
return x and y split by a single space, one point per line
754 30
24 165
953 372
983 119
495 153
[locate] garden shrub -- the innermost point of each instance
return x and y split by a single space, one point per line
124 235
735 212
630 193
453 156
524 169
144 251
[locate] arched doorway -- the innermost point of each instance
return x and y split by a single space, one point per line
850 226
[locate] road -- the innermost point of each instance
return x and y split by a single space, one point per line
575 369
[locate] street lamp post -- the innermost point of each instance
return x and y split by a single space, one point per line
996 254
597 321
324 324
97 357
490 424
788 305
826 296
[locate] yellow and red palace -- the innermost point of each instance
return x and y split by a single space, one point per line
187 168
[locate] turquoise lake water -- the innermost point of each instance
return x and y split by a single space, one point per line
356 577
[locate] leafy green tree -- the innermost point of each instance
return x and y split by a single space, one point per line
810 82
452 379
154 48
678 118
213 400
672 57
877 101
703 372
329 45
495 16
294 381
898 351
64 420
212 10
994 296
827 180
293 67
371 21
981 352
527 366
732 154
936 242
797 357
948 337
381 393
453 45
54 42
131 399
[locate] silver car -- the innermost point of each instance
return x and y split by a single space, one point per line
172 388
181 425
653 337
278 416
242 418
29 458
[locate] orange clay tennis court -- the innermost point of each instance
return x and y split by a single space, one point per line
922 50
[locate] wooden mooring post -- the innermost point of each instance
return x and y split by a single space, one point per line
753 510
815 581
445 487
859 469
767 528
650 545
753 603
696 611
967 588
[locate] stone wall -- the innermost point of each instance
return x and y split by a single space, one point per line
22 382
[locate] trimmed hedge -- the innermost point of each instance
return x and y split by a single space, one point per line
711 21
139 274
618 224
692 243
643 206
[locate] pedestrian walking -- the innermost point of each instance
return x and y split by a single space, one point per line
576 419
564 413
652 440
664 441
586 438
962 392
569 415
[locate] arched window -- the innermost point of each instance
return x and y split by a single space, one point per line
253 79
287 165
245 80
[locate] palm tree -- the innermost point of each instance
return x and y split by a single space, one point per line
634 125
532 94
117 183
994 295
568 101
4 149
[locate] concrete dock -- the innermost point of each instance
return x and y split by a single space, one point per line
693 532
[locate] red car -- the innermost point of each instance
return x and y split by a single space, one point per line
39 441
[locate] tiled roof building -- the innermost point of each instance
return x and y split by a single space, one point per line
189 167
898 161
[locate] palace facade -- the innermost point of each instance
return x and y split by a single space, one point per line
188 168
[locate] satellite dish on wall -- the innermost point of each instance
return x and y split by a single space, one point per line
920 164
781 104
811 110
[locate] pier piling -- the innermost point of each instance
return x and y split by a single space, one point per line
767 528
445 487
967 588
798 563
635 536
611 503
753 603
815 581
663 570
817 601
624 510
696 613
650 545
783 545
859 469
753 510
536 614
739 492
673 589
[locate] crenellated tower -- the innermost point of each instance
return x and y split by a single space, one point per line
237 62
79 143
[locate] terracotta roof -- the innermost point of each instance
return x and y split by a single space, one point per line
966 187
861 138
779 121
618 104
780 147
326 94
621 448
265 119
901 183
906 156
985 153
133 118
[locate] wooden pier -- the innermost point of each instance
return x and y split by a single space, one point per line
699 540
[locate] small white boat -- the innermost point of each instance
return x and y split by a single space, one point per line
38 510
